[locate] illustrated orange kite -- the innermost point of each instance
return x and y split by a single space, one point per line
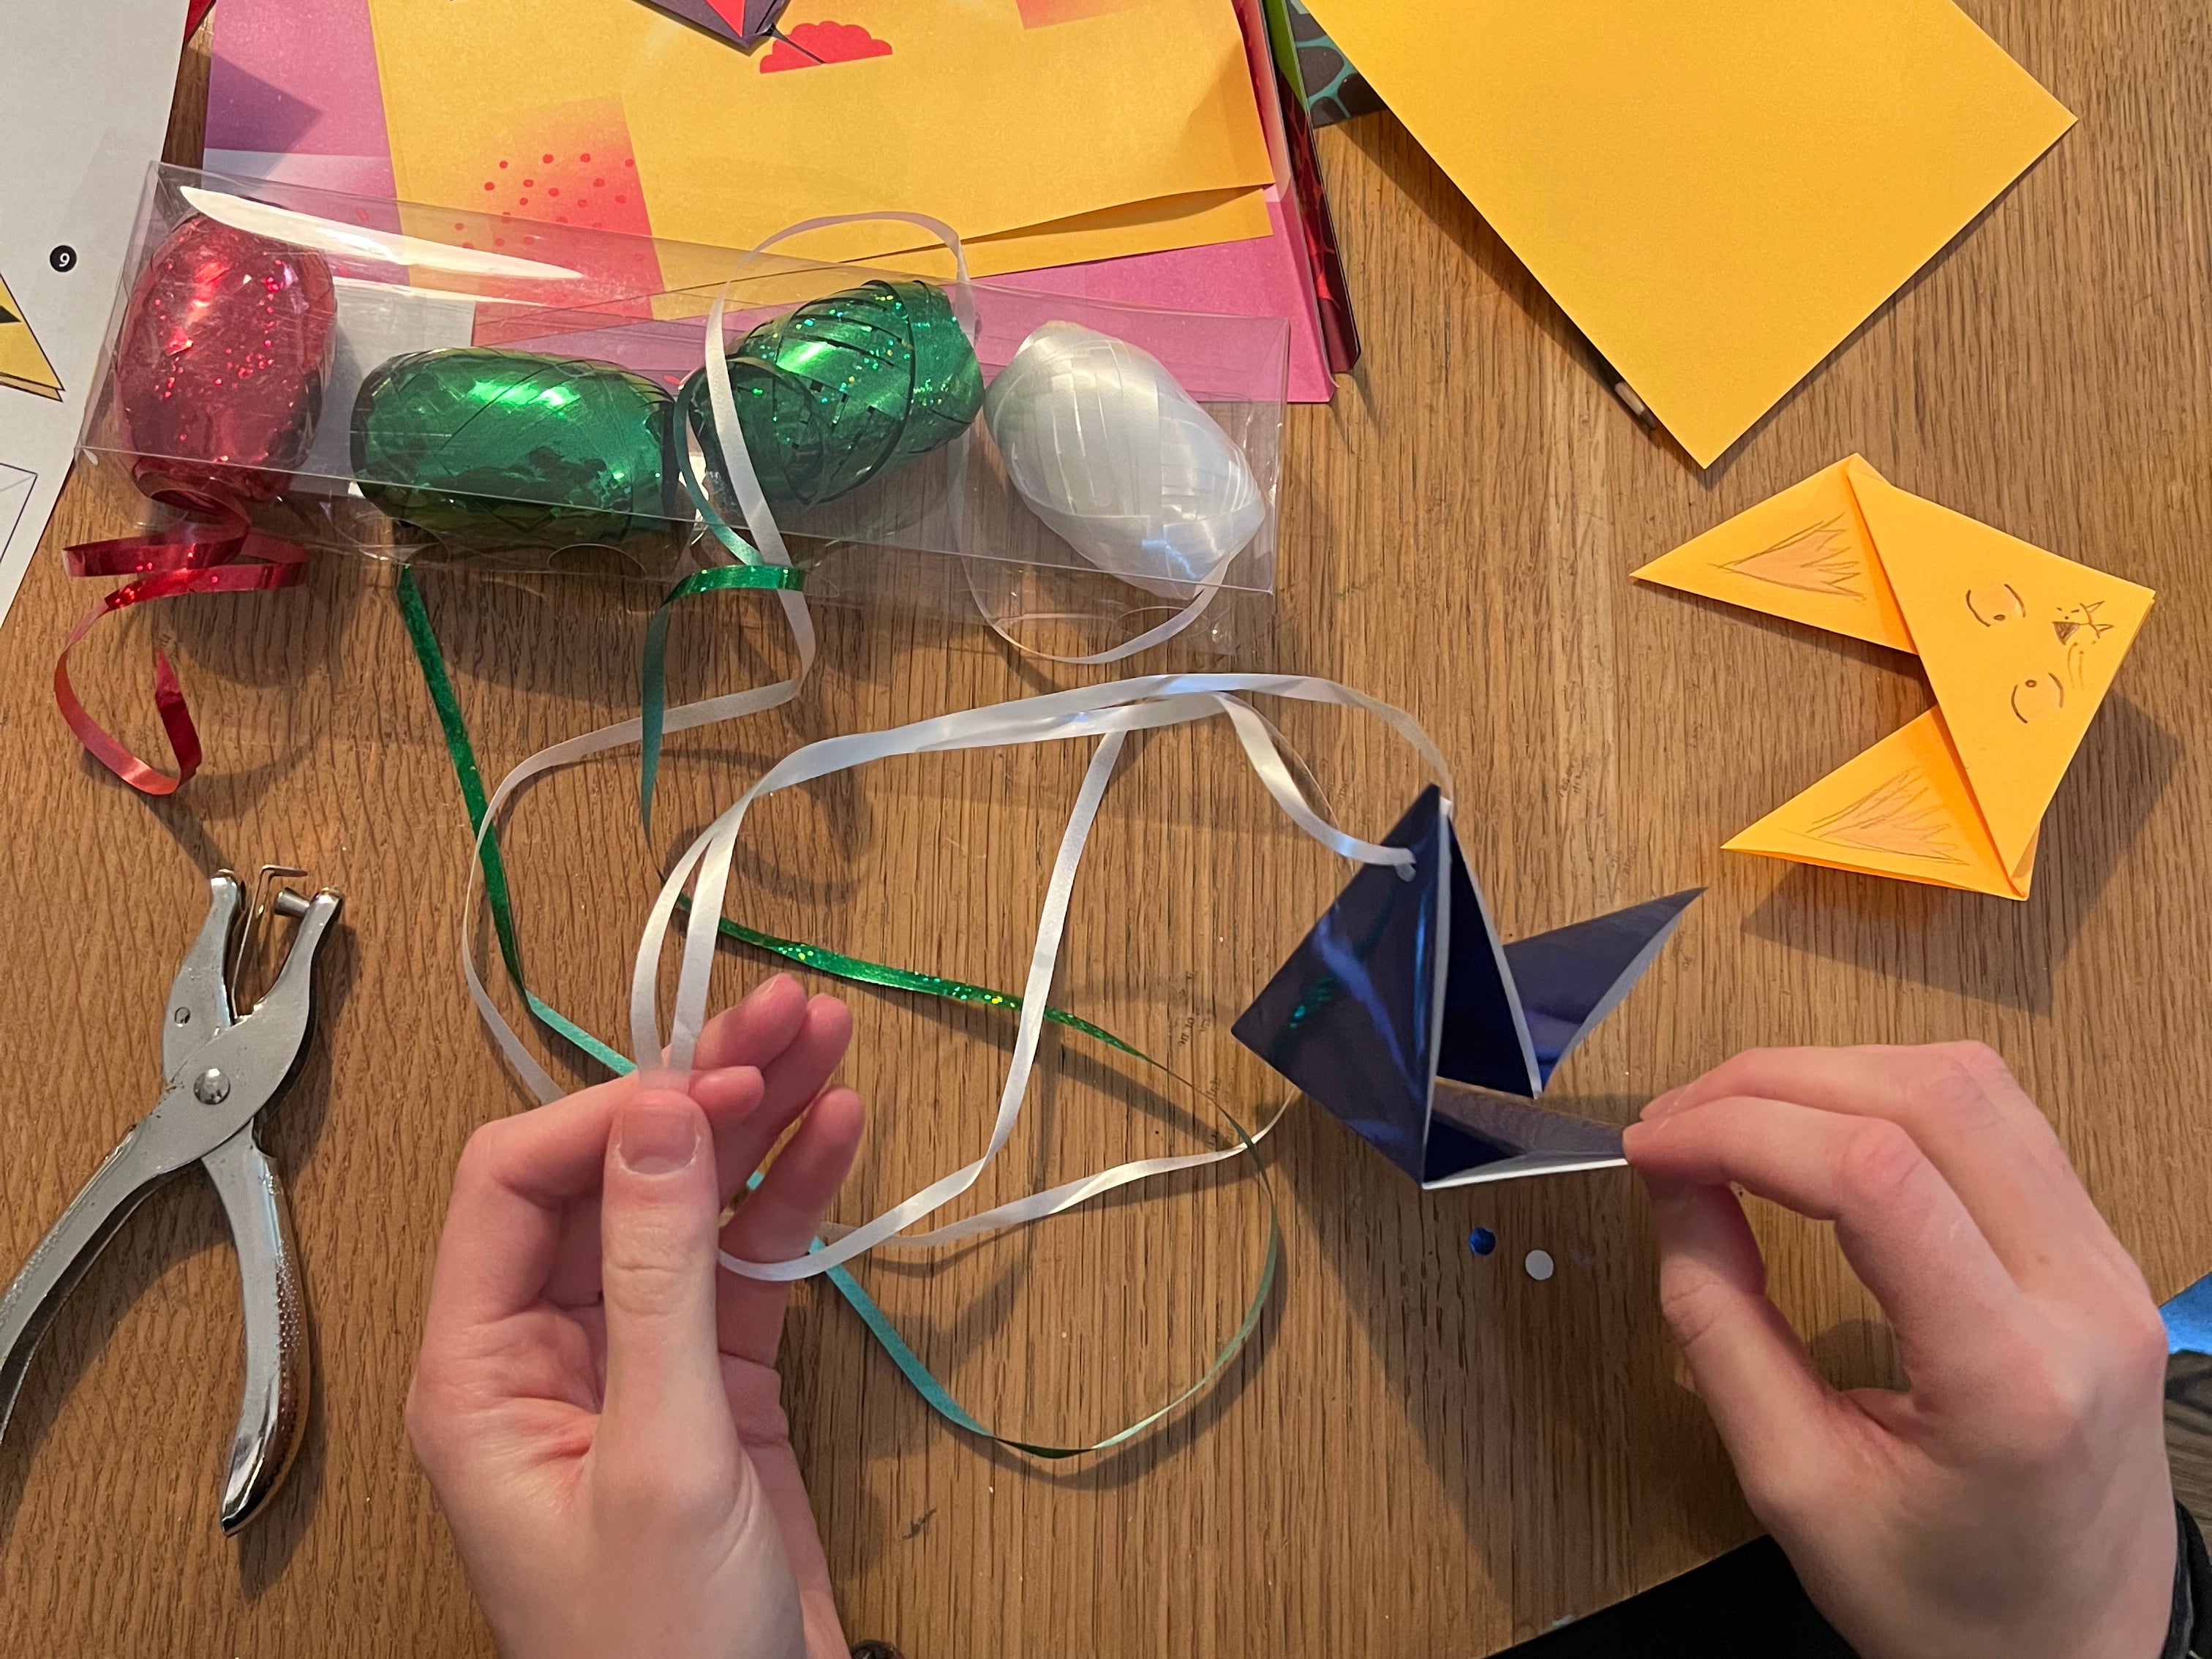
2020 646
23 365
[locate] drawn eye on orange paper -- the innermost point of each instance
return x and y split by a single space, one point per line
2037 696
1992 605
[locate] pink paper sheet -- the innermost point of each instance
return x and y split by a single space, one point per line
293 95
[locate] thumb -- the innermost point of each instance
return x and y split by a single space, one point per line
1771 1406
659 1212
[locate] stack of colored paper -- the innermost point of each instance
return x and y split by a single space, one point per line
1012 120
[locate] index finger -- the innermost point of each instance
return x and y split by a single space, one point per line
512 1187
1963 1108
506 1242
1902 1228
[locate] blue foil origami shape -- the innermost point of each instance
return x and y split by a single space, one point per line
1402 993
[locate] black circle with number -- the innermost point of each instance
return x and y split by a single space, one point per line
63 257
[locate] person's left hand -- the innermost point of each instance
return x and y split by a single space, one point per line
595 1401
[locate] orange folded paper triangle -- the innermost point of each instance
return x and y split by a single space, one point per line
2020 646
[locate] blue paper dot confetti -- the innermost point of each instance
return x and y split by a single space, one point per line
1482 1241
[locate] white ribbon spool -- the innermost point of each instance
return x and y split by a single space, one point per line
1120 461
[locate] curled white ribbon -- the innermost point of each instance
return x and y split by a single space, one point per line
1105 712
767 540
1108 449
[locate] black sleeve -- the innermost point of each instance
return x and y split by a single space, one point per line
2192 1630
1748 1605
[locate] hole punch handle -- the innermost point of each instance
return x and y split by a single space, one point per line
273 1415
61 1257
199 1002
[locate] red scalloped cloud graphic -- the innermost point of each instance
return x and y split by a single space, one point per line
805 45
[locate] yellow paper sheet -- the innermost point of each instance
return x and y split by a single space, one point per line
2020 646
997 116
23 364
1192 220
1717 191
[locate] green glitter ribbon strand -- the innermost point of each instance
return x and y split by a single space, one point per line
463 756
749 574
858 971
461 751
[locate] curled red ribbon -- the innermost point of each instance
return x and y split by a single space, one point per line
193 557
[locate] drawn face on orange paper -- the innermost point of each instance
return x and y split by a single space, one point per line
2037 696
2077 620
1992 607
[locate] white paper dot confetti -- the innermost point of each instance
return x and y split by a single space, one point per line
1539 1264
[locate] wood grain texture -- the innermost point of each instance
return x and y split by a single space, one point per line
1423 1452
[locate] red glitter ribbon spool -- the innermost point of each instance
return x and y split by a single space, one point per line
220 363
220 368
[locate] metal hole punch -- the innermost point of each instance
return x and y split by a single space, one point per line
226 1057
270 897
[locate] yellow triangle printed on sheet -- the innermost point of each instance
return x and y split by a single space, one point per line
23 363
2020 645
1902 808
1804 555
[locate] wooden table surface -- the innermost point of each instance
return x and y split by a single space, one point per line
1422 1451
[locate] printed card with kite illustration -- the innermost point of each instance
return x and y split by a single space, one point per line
23 362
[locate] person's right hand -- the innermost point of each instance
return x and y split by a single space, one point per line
2013 1502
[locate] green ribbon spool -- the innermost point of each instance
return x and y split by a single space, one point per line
493 448
843 390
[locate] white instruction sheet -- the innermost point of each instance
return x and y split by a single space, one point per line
84 105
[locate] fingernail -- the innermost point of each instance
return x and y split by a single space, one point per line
1668 1198
1661 1106
728 1088
766 986
656 1139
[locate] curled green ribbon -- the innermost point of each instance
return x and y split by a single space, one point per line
842 389
856 970
491 448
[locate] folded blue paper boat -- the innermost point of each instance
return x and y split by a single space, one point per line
1404 984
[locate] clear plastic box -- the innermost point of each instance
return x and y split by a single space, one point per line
947 530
